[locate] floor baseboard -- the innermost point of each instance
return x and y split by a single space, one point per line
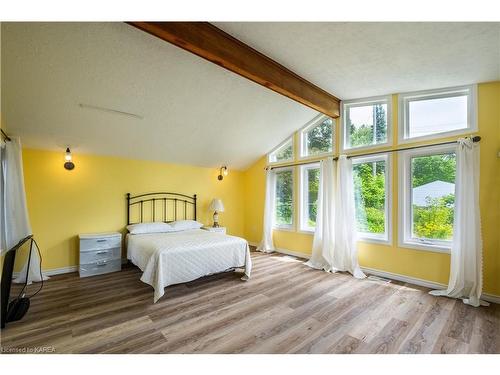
294 253
398 277
404 278
372 271
60 271
493 298
421 282
53 271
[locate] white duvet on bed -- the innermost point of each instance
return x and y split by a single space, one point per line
179 257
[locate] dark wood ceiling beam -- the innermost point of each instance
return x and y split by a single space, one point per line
217 46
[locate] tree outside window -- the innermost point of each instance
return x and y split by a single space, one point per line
433 196
309 189
282 153
366 125
284 197
319 139
370 196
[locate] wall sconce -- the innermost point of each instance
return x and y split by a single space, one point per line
222 173
69 165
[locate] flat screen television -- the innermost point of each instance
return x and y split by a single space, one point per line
16 308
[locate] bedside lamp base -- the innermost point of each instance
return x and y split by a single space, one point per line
216 220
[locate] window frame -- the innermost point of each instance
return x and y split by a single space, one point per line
405 238
344 134
304 198
284 227
403 106
303 141
386 238
279 147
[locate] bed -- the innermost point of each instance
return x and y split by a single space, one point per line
179 256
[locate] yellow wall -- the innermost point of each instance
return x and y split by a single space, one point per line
91 198
415 263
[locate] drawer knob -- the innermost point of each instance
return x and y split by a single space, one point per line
102 240
102 252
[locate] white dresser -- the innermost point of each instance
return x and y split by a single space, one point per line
100 253
215 229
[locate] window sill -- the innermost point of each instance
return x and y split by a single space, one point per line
284 229
306 231
425 247
375 241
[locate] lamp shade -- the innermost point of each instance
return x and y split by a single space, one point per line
216 205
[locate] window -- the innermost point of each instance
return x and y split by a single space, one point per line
366 122
372 180
282 153
427 114
428 190
309 184
317 137
284 198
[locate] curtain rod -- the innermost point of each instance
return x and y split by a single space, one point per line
7 138
475 139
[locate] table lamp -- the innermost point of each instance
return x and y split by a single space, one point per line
217 207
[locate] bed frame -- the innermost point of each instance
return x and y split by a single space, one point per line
156 205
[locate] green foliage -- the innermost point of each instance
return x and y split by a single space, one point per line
284 197
369 197
362 135
319 138
313 184
432 168
434 221
284 154
375 218
381 122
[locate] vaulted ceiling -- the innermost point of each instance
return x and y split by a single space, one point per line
356 59
195 112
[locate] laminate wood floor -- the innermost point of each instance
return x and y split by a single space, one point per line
286 307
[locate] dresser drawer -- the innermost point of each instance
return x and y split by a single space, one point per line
102 254
101 267
92 244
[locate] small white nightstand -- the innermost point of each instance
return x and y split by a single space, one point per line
215 229
100 253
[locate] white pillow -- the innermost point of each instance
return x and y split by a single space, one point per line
185 225
155 227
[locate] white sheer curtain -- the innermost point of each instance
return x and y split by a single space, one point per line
267 245
346 249
324 238
15 223
466 277
334 243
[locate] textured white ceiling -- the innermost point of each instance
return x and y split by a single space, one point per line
194 111
198 113
355 60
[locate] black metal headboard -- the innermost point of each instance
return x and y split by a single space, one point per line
164 207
